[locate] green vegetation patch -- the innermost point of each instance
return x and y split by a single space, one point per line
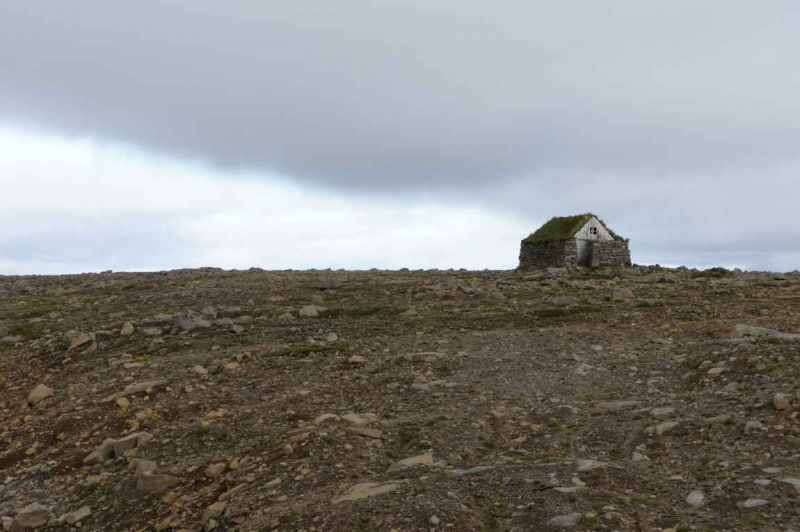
562 228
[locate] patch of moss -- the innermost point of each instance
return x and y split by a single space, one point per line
28 331
563 228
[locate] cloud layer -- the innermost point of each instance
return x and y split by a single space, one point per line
678 123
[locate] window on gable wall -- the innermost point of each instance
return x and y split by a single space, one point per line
593 230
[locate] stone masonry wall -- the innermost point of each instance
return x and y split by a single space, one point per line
538 255
610 253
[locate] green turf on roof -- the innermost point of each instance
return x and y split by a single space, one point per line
563 228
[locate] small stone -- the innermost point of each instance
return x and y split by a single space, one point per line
662 428
81 513
435 520
183 322
332 337
592 466
215 470
123 403
662 412
127 329
319 420
39 394
237 329
696 498
145 466
754 503
421 460
716 371
357 360
311 311
566 520
781 401
639 457
233 491
621 294
793 481
78 339
200 370
565 301
214 511
752 426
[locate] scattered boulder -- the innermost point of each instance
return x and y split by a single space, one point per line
149 482
78 339
116 448
621 294
39 394
32 516
781 401
311 311
127 329
214 511
367 490
565 301
696 498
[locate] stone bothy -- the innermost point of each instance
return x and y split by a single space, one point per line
582 240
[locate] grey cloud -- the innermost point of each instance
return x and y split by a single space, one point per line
677 121
396 94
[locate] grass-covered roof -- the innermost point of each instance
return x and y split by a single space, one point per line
564 228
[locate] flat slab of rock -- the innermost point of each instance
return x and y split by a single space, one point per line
32 516
367 490
566 520
149 482
115 448
742 331
364 431
468 472
613 406
135 388
81 513
421 460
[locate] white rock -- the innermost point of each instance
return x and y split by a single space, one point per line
754 503
696 498
566 520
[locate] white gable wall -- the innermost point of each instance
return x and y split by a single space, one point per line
585 232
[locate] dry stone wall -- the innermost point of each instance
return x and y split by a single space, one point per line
610 253
538 255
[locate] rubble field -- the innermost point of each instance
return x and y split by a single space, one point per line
643 398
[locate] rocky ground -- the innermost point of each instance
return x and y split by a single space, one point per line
640 399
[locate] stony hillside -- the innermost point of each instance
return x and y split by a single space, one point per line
643 399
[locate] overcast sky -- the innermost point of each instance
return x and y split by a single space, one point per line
386 133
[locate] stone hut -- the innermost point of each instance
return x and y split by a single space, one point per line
581 240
